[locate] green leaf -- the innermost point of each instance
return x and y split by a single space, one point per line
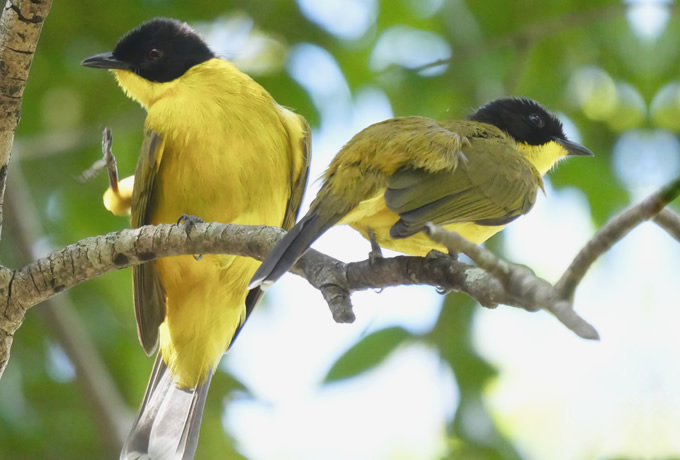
368 353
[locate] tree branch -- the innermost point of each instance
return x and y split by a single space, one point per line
92 257
522 286
534 293
669 221
491 283
612 232
530 34
20 26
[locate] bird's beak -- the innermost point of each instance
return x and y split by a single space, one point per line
573 148
105 61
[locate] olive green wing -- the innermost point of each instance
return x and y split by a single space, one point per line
362 169
148 291
492 184
301 141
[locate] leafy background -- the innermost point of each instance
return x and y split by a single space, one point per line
608 68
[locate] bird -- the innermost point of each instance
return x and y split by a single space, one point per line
471 176
218 147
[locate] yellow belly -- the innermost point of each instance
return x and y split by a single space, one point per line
205 299
205 306
373 214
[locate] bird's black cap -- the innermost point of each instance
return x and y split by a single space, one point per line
158 50
526 121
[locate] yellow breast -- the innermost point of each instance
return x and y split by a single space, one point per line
225 158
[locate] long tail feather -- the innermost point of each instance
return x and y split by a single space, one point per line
169 421
290 248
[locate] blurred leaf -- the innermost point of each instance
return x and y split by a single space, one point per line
367 353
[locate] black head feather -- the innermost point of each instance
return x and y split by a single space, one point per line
524 119
161 49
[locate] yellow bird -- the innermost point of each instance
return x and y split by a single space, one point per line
225 151
472 176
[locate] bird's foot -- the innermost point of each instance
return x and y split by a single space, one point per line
189 223
434 254
376 252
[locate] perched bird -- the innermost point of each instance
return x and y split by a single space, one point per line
218 147
471 176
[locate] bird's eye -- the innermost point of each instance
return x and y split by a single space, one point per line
154 54
536 120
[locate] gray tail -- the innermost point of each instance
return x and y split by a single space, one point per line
290 248
169 421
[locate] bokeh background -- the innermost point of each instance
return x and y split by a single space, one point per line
418 375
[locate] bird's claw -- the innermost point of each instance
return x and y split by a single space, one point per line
376 252
189 223
435 254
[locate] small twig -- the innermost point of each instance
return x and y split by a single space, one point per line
611 233
532 33
107 161
523 287
670 221
534 293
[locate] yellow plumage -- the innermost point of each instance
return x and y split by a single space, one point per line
200 119
119 202
217 146
372 214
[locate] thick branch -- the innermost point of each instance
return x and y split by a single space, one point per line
492 283
95 256
98 255
20 27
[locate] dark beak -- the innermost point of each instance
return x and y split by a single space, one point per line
573 148
105 61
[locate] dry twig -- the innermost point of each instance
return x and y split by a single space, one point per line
532 293
107 161
523 288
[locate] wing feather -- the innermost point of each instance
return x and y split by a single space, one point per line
148 291
493 186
